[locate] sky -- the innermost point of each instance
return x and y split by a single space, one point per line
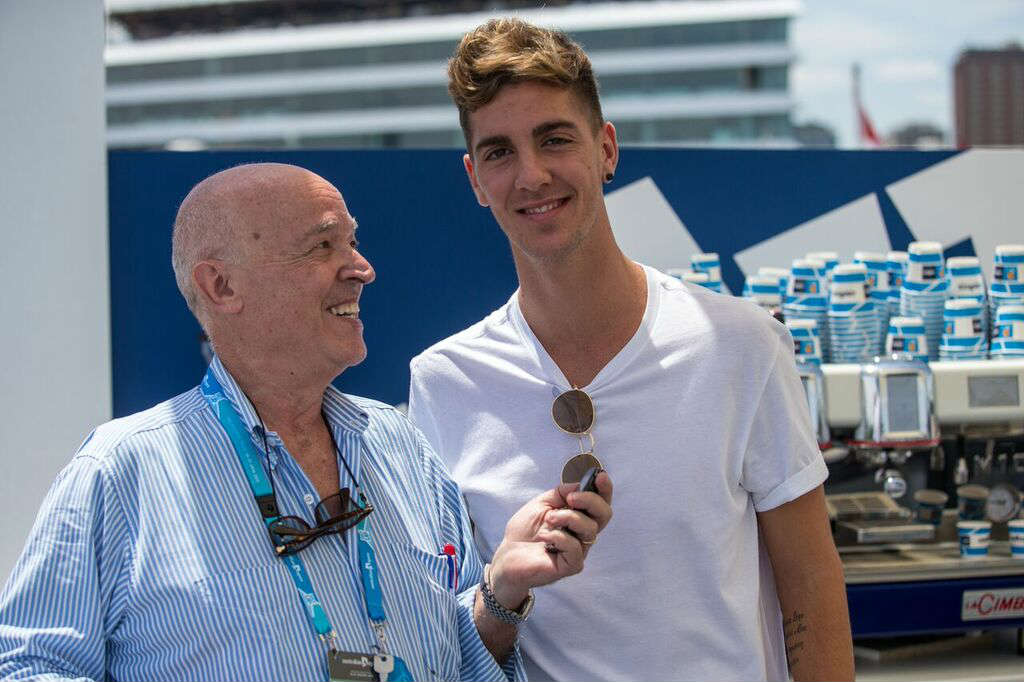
906 49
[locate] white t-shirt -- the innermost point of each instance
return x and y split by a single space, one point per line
700 420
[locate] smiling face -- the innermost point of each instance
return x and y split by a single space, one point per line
299 276
537 162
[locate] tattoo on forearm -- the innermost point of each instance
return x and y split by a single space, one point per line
794 628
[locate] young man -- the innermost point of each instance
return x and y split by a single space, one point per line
720 563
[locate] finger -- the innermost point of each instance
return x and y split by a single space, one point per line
556 497
593 505
604 486
568 550
581 525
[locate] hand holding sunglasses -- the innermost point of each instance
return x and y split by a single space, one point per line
547 539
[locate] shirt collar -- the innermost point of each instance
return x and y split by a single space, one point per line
340 411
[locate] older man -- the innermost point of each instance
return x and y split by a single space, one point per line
264 525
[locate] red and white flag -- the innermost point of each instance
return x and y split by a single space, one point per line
866 133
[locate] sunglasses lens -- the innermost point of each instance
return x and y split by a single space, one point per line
290 529
573 412
574 469
332 506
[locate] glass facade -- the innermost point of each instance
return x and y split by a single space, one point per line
134 109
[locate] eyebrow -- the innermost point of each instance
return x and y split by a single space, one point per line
539 130
324 226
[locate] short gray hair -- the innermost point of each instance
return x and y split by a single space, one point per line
201 230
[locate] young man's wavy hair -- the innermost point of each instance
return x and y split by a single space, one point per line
508 50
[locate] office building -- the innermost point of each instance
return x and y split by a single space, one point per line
202 73
989 97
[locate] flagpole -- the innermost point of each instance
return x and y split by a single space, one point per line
855 77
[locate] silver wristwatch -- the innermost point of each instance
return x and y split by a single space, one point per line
497 610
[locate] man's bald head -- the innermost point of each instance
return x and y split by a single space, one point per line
224 214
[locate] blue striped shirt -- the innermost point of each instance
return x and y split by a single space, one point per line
149 559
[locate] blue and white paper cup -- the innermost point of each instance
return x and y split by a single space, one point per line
966 280
852 323
974 538
807 298
963 335
878 288
1016 529
924 290
829 258
896 266
1008 334
1009 264
764 291
806 342
906 336
710 264
782 274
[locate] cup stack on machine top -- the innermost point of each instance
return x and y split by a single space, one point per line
852 323
878 290
807 298
708 263
924 290
806 342
688 275
764 291
896 265
963 334
1008 339
967 281
829 258
782 274
906 335
1007 286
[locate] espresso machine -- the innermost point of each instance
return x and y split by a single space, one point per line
912 449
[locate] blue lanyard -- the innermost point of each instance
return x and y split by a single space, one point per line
251 460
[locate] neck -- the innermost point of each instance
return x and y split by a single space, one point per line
585 308
286 402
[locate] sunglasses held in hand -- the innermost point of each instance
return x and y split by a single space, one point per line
573 412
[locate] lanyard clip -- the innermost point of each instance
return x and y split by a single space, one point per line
332 640
382 639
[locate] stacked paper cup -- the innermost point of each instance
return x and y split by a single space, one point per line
852 324
806 342
896 264
963 336
764 290
781 273
1007 286
678 273
878 290
829 258
924 290
967 281
708 263
806 298
1008 340
906 336
700 278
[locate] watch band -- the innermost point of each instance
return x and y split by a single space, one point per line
497 610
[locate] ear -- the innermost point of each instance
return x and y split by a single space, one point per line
471 174
609 148
213 283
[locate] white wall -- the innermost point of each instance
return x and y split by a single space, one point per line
55 380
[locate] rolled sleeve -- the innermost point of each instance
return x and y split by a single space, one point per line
782 460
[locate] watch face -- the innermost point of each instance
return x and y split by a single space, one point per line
1003 503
